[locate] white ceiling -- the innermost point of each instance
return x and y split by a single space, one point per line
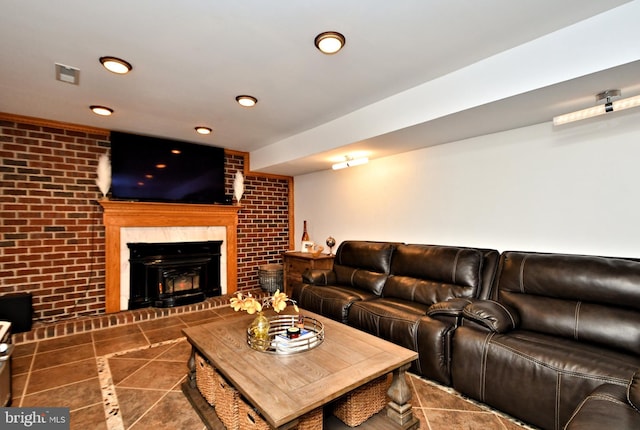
413 73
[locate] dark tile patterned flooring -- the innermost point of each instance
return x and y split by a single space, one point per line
129 377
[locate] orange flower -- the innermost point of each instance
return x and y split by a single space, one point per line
236 302
251 305
279 301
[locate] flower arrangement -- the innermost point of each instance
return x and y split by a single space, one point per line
278 301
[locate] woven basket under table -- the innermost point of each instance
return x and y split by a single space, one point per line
206 379
311 420
227 403
250 419
359 405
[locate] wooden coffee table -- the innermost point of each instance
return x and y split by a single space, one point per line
285 387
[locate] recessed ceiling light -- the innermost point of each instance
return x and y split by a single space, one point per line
329 42
203 130
247 101
116 65
101 110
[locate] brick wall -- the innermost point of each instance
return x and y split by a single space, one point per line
51 231
263 220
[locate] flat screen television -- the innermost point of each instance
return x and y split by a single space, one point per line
153 169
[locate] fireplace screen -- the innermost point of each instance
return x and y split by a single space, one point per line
175 281
172 274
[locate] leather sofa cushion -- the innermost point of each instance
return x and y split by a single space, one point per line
429 274
361 279
363 265
604 280
404 323
371 256
605 408
586 322
585 298
556 373
333 302
391 319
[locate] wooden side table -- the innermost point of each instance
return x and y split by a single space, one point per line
295 263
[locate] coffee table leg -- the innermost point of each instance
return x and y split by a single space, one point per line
399 409
191 364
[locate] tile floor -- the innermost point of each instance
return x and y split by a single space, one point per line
128 377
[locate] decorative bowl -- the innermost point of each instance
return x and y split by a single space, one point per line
316 250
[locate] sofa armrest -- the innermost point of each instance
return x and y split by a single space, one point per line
319 277
491 315
633 392
449 311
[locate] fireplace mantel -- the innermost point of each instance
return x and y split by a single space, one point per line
118 214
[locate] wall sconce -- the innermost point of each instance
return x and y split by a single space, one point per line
350 162
608 106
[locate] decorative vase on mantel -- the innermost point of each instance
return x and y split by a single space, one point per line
259 330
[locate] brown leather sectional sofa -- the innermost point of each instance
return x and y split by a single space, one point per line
547 338
387 289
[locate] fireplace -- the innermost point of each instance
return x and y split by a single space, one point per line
173 274
119 217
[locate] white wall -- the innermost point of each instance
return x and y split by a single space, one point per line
570 189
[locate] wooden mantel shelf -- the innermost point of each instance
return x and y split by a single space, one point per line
118 214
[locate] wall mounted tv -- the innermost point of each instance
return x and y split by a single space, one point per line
152 169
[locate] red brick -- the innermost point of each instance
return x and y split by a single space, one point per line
57 208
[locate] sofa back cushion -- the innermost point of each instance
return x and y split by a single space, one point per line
429 274
363 264
586 298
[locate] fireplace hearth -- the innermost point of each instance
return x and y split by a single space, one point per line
173 274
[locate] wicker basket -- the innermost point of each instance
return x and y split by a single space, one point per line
271 276
206 379
362 403
311 421
227 403
249 418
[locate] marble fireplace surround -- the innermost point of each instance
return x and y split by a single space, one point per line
174 220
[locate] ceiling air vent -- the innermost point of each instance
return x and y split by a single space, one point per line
67 74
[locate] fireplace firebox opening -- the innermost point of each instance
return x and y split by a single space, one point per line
173 274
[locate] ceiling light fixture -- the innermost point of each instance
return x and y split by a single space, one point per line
116 65
247 101
350 162
203 130
329 42
101 110
608 106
